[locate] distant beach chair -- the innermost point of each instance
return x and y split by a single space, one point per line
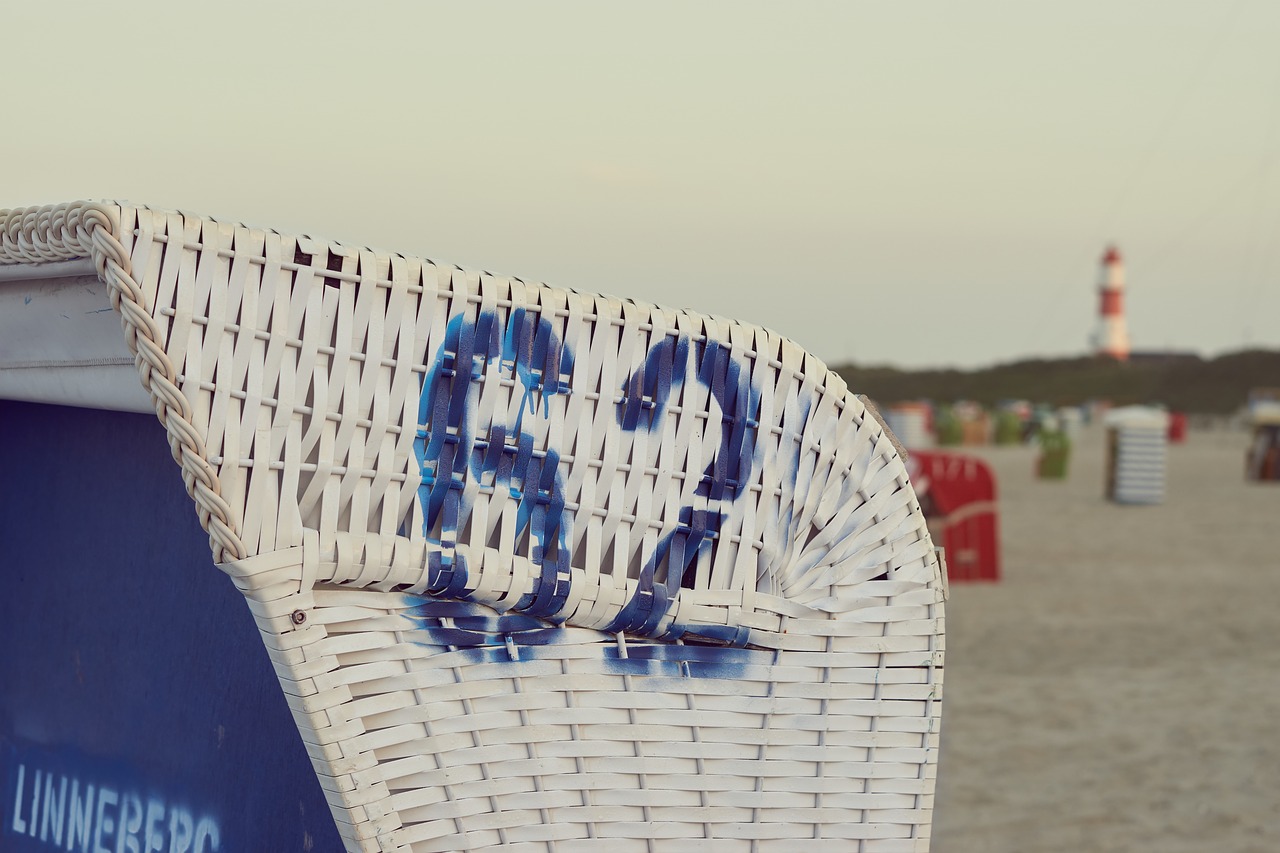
1137 454
912 423
536 568
1055 453
1262 459
958 494
1009 429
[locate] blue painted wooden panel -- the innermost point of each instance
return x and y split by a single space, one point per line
138 709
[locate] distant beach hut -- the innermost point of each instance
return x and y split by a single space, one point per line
912 423
1137 442
957 494
1262 460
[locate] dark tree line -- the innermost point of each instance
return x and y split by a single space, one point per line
1182 382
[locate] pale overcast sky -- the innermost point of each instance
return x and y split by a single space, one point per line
919 183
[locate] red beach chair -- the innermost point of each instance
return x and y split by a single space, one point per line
958 496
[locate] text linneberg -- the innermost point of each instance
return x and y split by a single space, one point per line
61 812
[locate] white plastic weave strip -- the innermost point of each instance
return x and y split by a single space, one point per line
536 567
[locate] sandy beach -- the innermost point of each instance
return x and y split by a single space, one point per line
1119 688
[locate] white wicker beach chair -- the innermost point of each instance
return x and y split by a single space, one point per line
538 569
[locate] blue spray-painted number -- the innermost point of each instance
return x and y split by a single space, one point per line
449 451
451 454
649 389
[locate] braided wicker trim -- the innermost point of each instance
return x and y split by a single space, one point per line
60 232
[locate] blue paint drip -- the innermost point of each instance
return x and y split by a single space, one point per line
478 634
675 661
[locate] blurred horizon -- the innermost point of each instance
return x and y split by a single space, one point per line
1138 356
924 186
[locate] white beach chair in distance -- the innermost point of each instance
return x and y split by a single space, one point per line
538 569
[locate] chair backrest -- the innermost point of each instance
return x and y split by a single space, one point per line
582 458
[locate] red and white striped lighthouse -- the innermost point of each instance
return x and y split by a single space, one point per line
1112 337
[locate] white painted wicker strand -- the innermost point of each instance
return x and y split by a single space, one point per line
539 568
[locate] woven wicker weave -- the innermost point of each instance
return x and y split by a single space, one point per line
538 568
